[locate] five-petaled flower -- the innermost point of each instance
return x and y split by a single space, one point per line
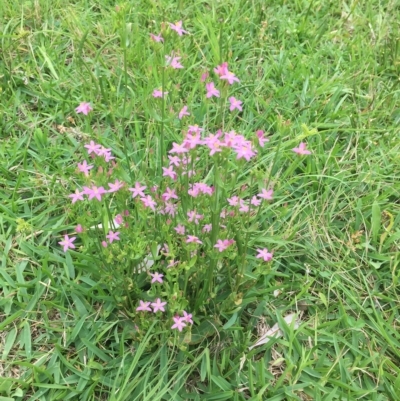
211 90
221 245
159 93
114 187
156 38
94 192
67 242
148 201
230 77
301 150
193 238
235 104
144 306
179 323
187 317
84 108
76 196
84 167
112 236
137 190
158 305
264 254
156 277
266 194
183 112
177 27
174 62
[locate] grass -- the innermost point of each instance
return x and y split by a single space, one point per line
321 70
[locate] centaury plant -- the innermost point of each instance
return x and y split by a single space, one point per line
172 240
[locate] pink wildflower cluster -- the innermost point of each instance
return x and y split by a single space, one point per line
223 73
158 305
181 321
95 149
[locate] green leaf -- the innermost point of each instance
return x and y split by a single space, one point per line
231 321
27 339
375 221
10 339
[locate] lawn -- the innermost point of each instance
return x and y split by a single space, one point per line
270 185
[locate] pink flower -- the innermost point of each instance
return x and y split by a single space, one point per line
264 254
301 150
193 238
67 242
255 201
106 153
84 108
170 208
244 150
144 306
192 140
118 219
137 190
175 160
112 236
158 305
261 139
177 27
211 90
207 228
214 143
180 229
183 112
149 202
116 186
174 62
172 263
156 38
221 245
93 147
204 76
195 128
79 228
76 196
230 77
267 195
234 201
194 216
95 192
159 93
243 206
221 69
169 194
176 148
179 323
235 104
84 167
187 317
104 244
169 172
157 277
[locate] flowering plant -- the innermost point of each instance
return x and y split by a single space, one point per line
177 235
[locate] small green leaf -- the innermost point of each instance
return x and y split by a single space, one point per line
9 343
375 221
